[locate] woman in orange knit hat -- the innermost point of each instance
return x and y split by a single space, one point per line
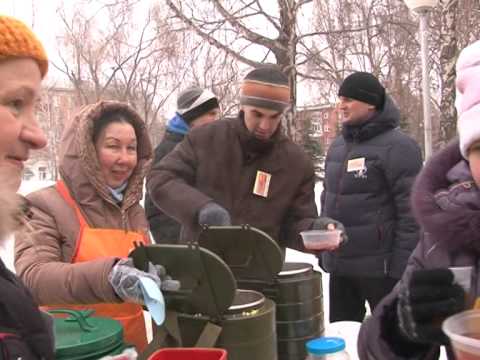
25 332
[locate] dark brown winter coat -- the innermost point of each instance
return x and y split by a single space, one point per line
219 162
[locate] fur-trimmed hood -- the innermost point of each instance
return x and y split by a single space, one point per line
447 205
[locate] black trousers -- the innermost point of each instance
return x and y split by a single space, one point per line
348 295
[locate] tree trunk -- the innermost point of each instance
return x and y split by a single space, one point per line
448 58
286 59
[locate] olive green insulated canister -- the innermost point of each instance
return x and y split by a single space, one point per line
256 262
297 293
248 328
244 319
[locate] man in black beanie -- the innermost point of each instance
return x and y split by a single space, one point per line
195 107
369 171
242 170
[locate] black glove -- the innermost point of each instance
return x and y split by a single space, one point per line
428 299
213 214
323 222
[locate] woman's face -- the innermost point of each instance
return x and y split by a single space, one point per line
19 91
116 148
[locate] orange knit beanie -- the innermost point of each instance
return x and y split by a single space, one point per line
18 41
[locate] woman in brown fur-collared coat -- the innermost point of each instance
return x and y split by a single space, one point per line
78 224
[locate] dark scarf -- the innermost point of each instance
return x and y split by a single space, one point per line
253 147
446 201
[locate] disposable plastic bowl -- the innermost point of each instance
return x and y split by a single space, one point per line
320 239
189 354
463 329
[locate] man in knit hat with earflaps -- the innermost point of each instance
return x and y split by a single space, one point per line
407 324
242 170
195 107
369 171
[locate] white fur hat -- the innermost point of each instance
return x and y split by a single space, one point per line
467 99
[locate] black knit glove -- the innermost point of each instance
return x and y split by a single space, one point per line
213 214
430 297
326 223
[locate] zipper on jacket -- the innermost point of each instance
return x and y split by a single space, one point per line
124 219
344 169
379 225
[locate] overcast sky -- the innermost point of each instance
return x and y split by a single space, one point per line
41 15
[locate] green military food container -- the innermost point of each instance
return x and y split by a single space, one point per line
248 327
296 288
82 336
209 292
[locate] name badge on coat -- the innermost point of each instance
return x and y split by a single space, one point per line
262 183
357 164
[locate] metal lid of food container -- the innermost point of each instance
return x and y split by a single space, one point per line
246 300
82 335
250 253
295 268
207 284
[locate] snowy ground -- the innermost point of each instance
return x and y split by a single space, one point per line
346 329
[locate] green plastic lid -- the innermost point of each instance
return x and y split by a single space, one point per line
250 253
84 336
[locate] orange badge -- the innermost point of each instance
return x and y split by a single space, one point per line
262 183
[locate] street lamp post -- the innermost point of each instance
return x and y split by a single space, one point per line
422 8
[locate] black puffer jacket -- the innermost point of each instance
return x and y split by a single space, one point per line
164 229
25 333
372 203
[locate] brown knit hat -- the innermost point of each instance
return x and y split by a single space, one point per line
18 41
266 87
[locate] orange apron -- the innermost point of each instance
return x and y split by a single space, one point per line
96 243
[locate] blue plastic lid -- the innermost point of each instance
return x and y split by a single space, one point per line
325 345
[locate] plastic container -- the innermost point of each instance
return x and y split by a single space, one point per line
321 239
463 329
326 348
347 330
82 336
189 354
